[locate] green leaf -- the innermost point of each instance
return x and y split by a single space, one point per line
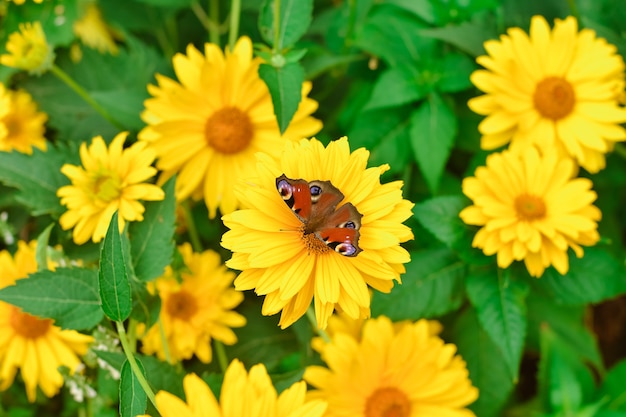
593 278
152 240
285 85
133 399
294 20
432 286
69 296
454 72
433 129
146 306
395 87
485 364
41 251
613 387
440 216
467 36
501 308
113 279
37 177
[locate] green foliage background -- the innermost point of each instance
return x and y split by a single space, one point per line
393 76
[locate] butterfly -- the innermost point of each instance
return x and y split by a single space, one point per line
315 204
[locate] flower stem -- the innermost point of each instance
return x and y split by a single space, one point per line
166 348
233 32
574 9
310 314
69 81
191 228
220 352
620 149
133 363
209 22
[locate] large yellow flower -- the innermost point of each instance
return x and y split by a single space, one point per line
402 372
28 49
109 180
531 207
242 395
208 128
332 254
21 125
33 345
558 88
197 305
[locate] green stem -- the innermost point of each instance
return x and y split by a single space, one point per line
310 314
69 81
133 363
214 17
574 9
276 26
235 14
191 228
620 149
220 352
166 347
347 40
209 23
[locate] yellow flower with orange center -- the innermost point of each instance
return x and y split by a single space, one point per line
399 371
197 306
30 344
109 180
28 49
558 88
21 125
531 207
207 128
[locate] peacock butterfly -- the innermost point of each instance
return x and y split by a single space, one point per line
315 204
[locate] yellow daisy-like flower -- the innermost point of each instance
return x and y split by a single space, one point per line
292 260
33 345
197 305
93 31
28 49
402 372
207 128
531 207
558 88
21 125
109 180
242 395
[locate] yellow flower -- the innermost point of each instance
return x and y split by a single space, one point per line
558 88
242 395
20 2
291 259
21 125
207 128
94 32
197 305
31 344
109 180
29 50
531 207
403 371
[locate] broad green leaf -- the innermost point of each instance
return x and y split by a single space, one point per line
146 306
395 87
113 279
432 286
177 4
152 240
613 387
294 19
425 10
37 177
133 399
501 308
440 216
69 296
433 129
593 278
467 36
454 71
285 85
41 251
486 366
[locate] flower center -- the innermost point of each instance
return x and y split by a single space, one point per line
13 125
313 243
554 98
28 326
228 130
181 305
529 207
106 186
388 402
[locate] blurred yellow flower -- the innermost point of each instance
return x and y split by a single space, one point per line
207 128
21 125
20 2
109 180
294 245
33 345
530 207
242 395
398 371
93 31
197 304
28 49
552 89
